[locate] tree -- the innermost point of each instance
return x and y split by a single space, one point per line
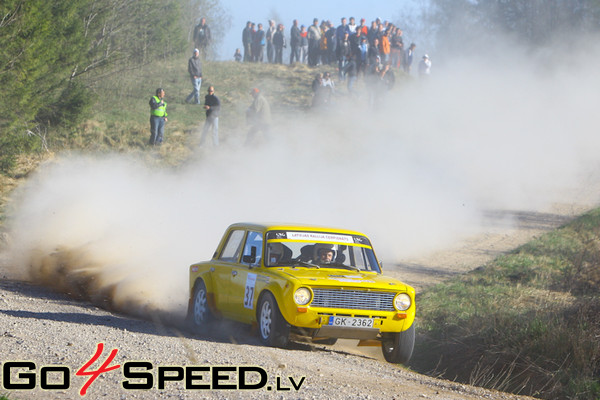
38 41
48 47
532 22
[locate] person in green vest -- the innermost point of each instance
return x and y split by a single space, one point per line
158 117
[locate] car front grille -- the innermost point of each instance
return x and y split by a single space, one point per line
353 299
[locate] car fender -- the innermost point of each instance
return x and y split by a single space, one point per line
280 294
207 278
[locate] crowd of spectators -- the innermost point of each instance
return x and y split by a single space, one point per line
321 43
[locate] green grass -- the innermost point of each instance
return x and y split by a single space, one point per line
528 323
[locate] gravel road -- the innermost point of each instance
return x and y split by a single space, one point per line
51 329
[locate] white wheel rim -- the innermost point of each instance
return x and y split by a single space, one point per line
265 320
200 307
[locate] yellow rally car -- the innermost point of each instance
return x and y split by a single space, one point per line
304 281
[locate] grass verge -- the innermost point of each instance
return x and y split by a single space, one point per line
527 323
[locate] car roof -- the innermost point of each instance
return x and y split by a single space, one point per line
264 227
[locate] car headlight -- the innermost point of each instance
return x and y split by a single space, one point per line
402 302
302 296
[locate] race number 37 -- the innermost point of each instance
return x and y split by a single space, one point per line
249 291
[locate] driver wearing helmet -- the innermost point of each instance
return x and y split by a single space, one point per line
324 254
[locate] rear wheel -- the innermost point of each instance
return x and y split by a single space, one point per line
397 347
200 314
272 327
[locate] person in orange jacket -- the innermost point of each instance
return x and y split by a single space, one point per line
385 48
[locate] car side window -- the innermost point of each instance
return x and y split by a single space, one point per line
254 239
233 247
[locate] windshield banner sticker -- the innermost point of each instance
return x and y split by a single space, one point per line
320 237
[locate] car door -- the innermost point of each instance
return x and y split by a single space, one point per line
229 257
244 277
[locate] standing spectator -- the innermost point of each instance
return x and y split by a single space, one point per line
212 105
258 116
397 45
373 32
350 71
258 44
279 44
375 81
295 40
237 56
202 37
328 87
362 29
270 32
158 117
352 25
318 93
323 44
385 48
331 43
340 34
195 71
314 37
408 58
424 66
344 50
374 52
363 54
247 41
303 44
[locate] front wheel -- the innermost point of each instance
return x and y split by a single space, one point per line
272 327
397 347
200 314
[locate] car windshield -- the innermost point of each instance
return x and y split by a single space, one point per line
320 250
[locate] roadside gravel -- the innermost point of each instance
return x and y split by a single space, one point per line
49 328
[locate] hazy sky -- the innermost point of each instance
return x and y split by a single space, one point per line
304 11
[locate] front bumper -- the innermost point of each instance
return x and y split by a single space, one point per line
316 320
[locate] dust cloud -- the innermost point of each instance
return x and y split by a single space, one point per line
415 173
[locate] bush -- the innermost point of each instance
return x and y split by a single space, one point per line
70 109
14 144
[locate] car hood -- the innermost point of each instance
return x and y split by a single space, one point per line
343 278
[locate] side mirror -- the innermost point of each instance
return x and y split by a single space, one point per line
381 265
251 259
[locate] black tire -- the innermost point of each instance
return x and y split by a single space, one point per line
199 313
329 341
273 330
397 347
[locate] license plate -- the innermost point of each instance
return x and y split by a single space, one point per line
351 322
